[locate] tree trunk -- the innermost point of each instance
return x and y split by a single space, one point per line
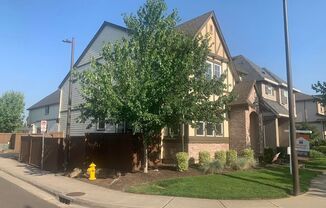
145 157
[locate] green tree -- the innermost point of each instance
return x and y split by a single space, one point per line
155 79
320 88
11 111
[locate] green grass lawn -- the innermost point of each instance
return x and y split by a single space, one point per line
273 182
318 164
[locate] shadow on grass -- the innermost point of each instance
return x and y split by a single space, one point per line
259 182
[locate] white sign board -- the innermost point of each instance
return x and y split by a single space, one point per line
302 145
43 126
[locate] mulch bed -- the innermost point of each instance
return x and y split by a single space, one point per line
121 183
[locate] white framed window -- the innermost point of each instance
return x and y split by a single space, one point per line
284 97
209 71
217 70
209 129
200 130
269 90
219 129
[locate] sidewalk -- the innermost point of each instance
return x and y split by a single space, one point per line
96 196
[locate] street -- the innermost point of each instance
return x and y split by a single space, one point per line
12 196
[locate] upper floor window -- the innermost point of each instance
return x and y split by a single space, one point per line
284 97
213 70
100 125
321 108
269 90
200 129
47 110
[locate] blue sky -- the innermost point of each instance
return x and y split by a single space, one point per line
34 60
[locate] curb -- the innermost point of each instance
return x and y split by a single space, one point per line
61 197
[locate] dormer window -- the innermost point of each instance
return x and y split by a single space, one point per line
269 90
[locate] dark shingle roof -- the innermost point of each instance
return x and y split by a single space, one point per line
53 98
242 91
275 107
301 96
192 27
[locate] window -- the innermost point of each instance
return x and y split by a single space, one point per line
200 129
219 129
47 110
174 131
100 125
269 90
209 129
209 70
217 70
284 97
213 72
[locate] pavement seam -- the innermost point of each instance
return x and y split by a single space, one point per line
222 204
274 204
168 202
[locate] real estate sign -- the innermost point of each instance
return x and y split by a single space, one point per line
43 126
302 146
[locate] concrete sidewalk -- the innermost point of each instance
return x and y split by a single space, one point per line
96 196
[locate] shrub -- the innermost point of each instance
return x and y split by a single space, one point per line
244 163
321 149
283 154
269 155
316 154
182 161
220 156
204 158
248 153
231 157
213 167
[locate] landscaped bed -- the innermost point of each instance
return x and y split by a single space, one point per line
263 183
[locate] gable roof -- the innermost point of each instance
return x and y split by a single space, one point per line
52 99
242 90
191 27
276 108
104 24
255 72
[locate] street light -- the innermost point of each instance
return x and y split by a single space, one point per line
294 157
67 138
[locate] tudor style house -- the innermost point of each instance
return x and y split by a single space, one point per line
46 109
311 111
259 117
195 139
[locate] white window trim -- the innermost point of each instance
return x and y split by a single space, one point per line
212 71
269 88
222 130
209 135
221 70
204 131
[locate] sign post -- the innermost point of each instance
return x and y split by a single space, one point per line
43 130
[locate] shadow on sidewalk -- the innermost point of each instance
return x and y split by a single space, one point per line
11 155
318 187
31 170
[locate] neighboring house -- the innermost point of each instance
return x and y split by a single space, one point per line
260 116
46 109
195 139
311 111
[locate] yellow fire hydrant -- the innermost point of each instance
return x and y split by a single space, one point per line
91 171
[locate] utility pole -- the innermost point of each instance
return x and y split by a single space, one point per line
67 138
294 157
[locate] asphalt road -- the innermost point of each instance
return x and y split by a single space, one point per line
12 196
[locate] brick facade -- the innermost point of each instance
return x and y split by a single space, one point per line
195 148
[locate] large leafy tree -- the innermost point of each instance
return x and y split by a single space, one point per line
320 88
157 78
11 111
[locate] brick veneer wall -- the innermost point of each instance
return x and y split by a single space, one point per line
195 148
238 129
